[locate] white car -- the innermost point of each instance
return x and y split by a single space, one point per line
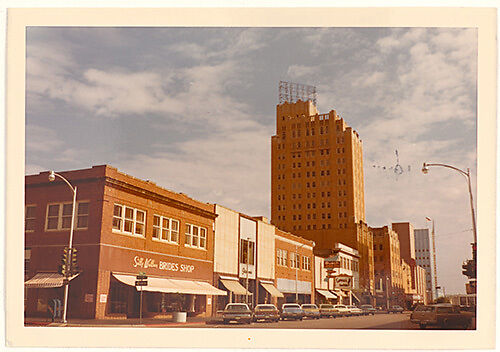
355 310
341 310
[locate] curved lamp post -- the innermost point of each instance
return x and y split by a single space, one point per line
425 170
52 177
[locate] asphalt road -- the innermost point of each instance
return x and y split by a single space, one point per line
375 322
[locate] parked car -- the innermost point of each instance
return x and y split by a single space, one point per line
341 310
368 309
266 312
291 311
395 309
326 310
444 315
238 312
310 311
355 310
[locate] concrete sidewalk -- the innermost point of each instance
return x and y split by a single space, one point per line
132 322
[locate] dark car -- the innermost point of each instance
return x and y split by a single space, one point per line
291 311
238 312
443 315
326 310
368 309
310 311
266 312
395 309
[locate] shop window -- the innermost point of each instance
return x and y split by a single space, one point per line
117 298
165 229
29 218
59 216
195 236
129 220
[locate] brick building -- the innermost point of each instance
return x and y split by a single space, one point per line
406 236
317 186
124 226
294 268
389 277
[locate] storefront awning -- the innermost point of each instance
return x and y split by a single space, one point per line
272 290
355 297
46 280
235 287
326 293
156 284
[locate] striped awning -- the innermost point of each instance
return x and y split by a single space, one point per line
235 287
272 290
326 293
156 284
46 280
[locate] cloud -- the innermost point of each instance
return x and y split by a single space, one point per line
300 71
41 139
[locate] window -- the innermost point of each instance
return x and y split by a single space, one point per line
282 257
129 220
29 218
59 216
195 236
294 260
247 250
306 263
165 229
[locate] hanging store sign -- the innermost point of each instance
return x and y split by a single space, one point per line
343 281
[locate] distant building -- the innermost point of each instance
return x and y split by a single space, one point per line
406 235
425 258
389 278
317 186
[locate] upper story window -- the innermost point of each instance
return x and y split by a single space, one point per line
195 236
29 218
306 263
294 260
281 256
165 229
247 250
129 220
59 216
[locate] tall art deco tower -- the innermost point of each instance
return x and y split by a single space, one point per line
317 187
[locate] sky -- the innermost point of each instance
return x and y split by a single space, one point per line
194 109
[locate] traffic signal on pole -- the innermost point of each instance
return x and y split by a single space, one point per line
469 269
74 262
64 268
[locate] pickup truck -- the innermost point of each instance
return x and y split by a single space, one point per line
443 315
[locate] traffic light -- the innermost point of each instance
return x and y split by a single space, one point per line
469 268
74 262
64 268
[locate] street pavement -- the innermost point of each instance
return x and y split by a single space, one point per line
375 322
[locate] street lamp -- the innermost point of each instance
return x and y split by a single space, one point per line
425 170
297 263
434 255
52 177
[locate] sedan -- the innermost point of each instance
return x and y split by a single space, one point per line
368 309
326 310
266 312
291 311
396 309
355 310
311 311
341 310
238 312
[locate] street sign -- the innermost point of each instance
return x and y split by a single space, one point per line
141 283
141 277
